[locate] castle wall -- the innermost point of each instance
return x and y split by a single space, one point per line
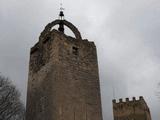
131 109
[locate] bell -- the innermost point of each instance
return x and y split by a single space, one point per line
61 14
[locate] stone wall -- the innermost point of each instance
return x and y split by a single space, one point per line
63 80
131 109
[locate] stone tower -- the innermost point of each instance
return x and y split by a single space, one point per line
63 76
131 110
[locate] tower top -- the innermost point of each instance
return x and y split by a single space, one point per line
61 22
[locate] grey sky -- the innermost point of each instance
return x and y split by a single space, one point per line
126 33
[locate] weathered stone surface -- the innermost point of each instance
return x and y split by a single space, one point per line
131 110
63 80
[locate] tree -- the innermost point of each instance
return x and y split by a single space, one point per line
11 107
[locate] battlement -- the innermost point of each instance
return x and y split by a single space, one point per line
129 103
131 109
127 100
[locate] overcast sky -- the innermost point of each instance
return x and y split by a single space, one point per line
126 33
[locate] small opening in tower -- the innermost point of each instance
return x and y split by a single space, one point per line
75 50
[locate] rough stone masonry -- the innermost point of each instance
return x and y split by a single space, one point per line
63 77
131 109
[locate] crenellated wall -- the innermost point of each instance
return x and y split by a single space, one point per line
127 109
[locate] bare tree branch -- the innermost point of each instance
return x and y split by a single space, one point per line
11 107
